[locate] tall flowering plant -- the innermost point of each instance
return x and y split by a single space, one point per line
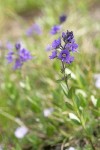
63 49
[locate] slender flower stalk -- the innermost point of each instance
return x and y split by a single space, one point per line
65 77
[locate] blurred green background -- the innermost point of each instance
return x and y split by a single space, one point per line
26 93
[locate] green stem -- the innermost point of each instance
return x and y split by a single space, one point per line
87 136
83 125
77 111
91 143
65 77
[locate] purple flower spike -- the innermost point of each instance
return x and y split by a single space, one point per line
54 55
55 29
56 43
66 45
62 18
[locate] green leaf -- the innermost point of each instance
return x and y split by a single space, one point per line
69 106
83 101
72 75
94 100
74 118
65 92
63 85
96 112
35 104
71 92
76 122
50 129
77 101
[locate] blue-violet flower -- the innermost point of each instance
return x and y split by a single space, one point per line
56 43
65 56
55 29
62 18
54 55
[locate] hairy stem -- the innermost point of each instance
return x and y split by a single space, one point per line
65 77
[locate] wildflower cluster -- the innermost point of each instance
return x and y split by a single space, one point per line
63 47
19 56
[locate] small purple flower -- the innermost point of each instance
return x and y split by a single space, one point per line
48 111
29 31
24 55
48 47
55 29
56 43
9 46
54 55
62 18
10 56
34 29
68 36
70 60
65 56
20 132
72 46
37 29
17 46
